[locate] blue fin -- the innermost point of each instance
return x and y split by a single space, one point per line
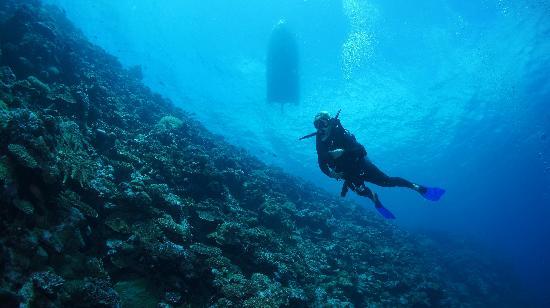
385 212
433 193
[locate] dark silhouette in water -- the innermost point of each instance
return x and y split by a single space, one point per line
342 157
282 73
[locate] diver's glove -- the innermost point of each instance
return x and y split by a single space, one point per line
336 153
335 175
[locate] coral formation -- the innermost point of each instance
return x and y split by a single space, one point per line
113 196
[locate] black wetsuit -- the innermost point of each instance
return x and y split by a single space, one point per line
353 163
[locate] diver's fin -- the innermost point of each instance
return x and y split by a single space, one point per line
433 193
380 208
385 212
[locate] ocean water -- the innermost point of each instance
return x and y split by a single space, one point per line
448 93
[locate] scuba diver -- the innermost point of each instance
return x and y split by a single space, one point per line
340 156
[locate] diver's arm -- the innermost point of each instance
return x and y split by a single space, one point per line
336 153
359 150
355 150
322 155
323 165
352 147
331 173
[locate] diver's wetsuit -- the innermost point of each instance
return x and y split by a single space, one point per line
353 164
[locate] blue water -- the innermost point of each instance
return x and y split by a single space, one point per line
451 93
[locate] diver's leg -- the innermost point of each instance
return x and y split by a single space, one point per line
362 190
372 174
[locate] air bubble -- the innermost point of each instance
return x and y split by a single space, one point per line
358 47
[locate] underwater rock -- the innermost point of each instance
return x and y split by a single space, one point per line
4 123
267 293
47 282
166 200
134 195
117 224
278 216
95 268
53 71
173 201
37 85
62 97
234 286
91 292
170 122
22 156
234 180
147 232
136 293
122 170
75 159
102 183
173 298
27 125
169 251
103 140
45 29
5 171
4 117
41 288
7 77
24 206
177 232
205 250
69 199
51 241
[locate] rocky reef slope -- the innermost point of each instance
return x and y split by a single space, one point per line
112 196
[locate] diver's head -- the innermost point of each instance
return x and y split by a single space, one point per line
321 120
322 124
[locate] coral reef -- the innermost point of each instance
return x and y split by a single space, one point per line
110 195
